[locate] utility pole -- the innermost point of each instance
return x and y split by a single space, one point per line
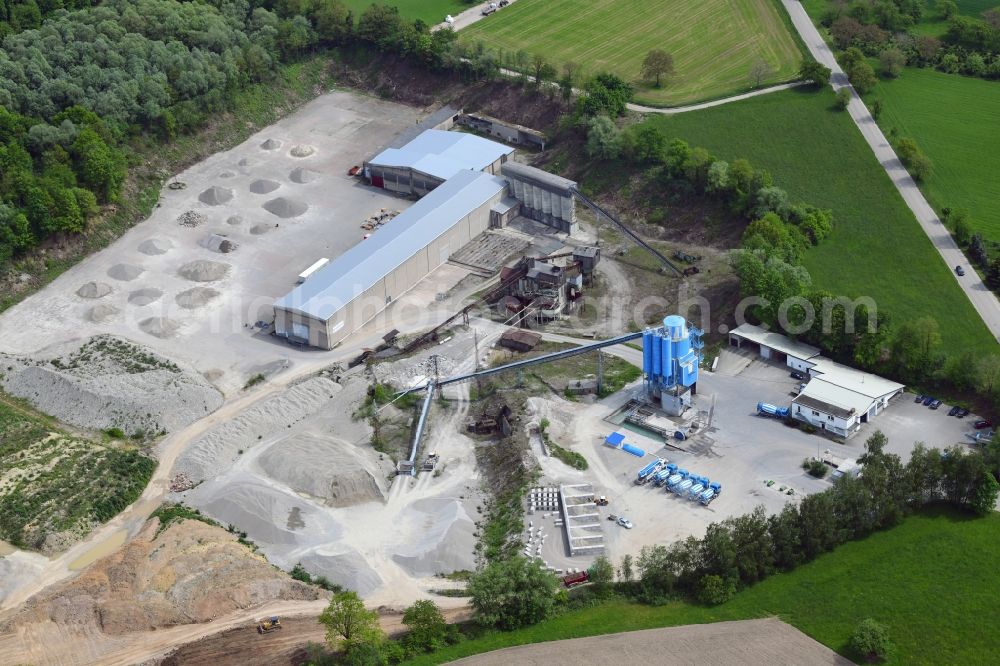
600 371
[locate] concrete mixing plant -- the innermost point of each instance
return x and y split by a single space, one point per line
670 359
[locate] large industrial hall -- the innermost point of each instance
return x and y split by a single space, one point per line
454 173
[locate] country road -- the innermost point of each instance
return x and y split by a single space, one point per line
984 300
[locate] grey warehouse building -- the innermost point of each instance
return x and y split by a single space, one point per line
363 281
431 158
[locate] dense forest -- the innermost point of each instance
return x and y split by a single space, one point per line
78 81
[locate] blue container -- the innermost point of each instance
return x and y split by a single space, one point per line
657 368
666 347
634 450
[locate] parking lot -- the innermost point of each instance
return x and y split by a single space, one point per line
735 447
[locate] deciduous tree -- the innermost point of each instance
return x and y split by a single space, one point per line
657 65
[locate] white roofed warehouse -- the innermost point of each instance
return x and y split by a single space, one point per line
431 158
339 298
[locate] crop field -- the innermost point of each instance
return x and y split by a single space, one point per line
953 119
901 578
714 43
56 487
430 12
818 156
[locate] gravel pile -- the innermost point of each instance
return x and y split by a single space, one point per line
446 539
220 446
285 208
155 246
234 220
271 144
142 297
216 196
125 272
303 175
218 243
196 297
191 219
302 151
102 313
203 270
334 471
94 290
264 186
260 228
106 383
160 327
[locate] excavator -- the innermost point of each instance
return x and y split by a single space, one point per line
269 624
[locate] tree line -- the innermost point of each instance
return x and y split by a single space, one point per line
885 29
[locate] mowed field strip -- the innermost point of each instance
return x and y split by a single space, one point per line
429 11
714 43
816 154
954 119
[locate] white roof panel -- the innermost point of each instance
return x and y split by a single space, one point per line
355 271
442 154
776 341
838 396
853 379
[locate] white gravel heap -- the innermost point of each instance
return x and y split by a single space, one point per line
105 382
220 446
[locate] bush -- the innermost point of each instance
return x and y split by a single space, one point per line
714 590
870 640
843 98
815 467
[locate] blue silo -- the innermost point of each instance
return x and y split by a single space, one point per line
671 356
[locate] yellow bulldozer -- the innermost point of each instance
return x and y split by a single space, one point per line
270 624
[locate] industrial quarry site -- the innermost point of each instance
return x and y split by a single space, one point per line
393 342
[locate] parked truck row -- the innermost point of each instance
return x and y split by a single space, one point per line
679 481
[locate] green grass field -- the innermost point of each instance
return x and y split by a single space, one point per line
954 120
714 43
817 154
930 580
930 24
430 11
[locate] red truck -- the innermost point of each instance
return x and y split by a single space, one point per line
573 580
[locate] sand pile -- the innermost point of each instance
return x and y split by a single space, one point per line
349 569
216 196
191 219
227 174
303 150
160 327
191 572
217 449
244 162
155 246
271 144
143 297
303 175
439 537
285 208
264 186
107 382
234 220
322 467
102 313
203 270
261 229
125 272
218 243
94 290
196 297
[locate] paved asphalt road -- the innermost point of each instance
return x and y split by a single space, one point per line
983 299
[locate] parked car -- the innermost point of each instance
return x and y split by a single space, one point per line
959 271
795 374
920 397
503 3
954 411
935 404
928 399
982 423
962 412
625 522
